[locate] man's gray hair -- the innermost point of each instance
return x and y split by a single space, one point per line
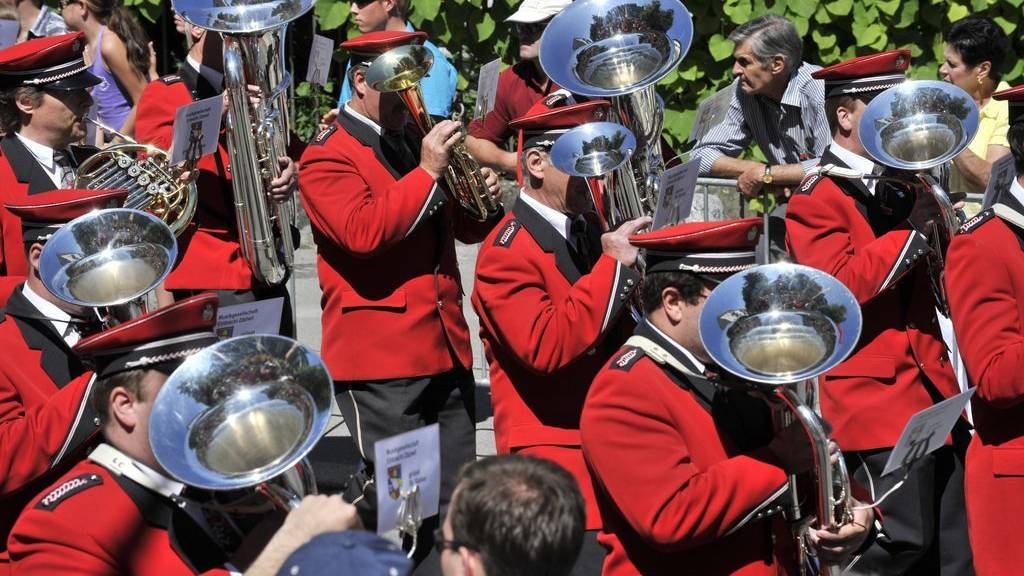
771 35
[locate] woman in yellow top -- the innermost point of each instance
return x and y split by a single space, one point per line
974 53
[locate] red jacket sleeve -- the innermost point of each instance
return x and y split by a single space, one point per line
985 311
48 543
545 333
818 235
154 118
637 454
33 440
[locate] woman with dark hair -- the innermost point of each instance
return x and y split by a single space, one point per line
118 51
974 54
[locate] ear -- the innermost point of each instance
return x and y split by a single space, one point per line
35 252
982 70
25 104
778 65
535 164
359 85
844 118
471 563
389 5
122 408
672 304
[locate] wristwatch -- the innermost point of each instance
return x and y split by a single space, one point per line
766 178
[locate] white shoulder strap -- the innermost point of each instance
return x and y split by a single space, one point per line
658 354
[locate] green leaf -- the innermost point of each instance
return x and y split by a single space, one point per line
427 9
485 27
738 11
720 47
822 16
839 7
331 15
691 73
1005 24
957 12
888 6
802 8
303 89
823 40
908 14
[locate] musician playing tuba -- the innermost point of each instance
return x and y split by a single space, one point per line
394 336
212 254
873 235
688 467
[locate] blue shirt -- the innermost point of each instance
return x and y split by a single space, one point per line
438 85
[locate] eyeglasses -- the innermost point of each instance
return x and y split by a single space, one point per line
65 3
363 3
531 29
441 543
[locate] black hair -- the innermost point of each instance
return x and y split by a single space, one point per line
1016 139
129 379
689 285
979 39
10 115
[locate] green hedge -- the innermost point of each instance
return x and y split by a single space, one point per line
833 30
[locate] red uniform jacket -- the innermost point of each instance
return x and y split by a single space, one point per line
20 176
547 329
392 298
96 523
210 256
678 494
46 420
900 365
985 283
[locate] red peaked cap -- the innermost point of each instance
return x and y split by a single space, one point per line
42 214
368 46
54 62
1015 96
550 117
160 340
721 247
870 73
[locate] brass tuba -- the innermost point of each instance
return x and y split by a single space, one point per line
153 184
400 70
257 123
779 327
109 260
913 127
619 50
243 414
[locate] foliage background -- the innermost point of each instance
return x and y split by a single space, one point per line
474 32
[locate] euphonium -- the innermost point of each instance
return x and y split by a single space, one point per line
913 127
400 70
153 184
243 414
778 327
257 120
619 49
109 260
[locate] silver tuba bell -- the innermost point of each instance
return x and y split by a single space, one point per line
244 413
780 326
593 150
109 260
257 126
913 127
618 50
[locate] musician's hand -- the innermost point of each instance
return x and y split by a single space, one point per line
836 546
791 447
926 210
493 185
751 180
319 513
282 187
616 243
435 150
328 118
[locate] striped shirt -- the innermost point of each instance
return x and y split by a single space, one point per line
788 132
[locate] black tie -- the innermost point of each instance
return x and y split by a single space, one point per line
580 241
398 153
62 160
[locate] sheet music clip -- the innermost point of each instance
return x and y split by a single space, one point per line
410 515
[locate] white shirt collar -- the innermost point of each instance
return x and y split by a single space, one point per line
700 365
42 152
856 162
212 76
557 219
59 318
1017 190
120 463
373 125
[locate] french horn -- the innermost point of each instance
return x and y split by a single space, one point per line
779 327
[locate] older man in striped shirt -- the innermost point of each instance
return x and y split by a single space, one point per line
775 103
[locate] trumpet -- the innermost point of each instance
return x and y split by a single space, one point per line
779 327
400 70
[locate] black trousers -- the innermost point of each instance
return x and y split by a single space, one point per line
231 297
378 409
924 521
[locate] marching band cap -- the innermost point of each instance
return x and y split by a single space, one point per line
718 248
44 213
368 46
871 73
348 552
1015 96
54 62
550 117
160 340
531 11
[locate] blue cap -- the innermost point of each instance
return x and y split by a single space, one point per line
349 552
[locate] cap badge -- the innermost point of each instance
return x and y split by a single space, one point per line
900 60
76 44
207 312
752 233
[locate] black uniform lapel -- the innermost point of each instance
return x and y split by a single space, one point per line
548 239
1010 201
880 219
57 360
363 133
197 84
25 166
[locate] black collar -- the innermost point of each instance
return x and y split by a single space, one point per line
1010 201
851 186
552 242
57 360
197 84
368 137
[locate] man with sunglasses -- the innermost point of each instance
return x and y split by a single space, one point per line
519 87
43 103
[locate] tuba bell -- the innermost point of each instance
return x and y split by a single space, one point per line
243 414
618 50
109 260
913 127
399 70
779 327
145 171
257 127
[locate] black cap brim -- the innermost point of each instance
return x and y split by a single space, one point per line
79 81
